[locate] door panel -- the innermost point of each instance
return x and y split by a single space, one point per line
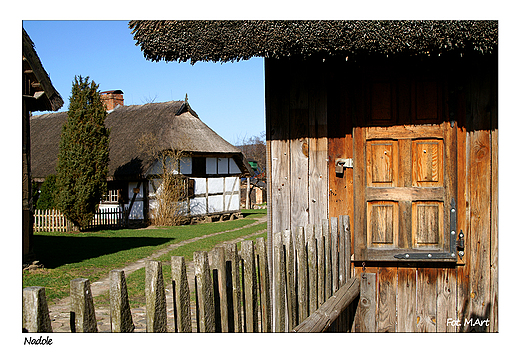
403 187
382 224
382 159
427 162
427 224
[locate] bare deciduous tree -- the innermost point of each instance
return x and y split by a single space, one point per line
169 200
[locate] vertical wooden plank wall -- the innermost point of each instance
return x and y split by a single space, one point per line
480 275
305 101
296 144
296 132
463 297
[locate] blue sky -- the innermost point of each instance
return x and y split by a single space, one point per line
228 97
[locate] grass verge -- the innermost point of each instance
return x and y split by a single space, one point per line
93 254
136 280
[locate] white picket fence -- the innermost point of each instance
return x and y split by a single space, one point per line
54 221
51 221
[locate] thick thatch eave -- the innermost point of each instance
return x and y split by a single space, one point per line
174 125
43 94
240 40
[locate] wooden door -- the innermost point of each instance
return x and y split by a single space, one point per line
404 171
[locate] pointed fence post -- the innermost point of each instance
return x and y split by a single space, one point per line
181 295
155 298
265 288
204 291
250 296
120 314
290 279
303 284
234 290
35 310
346 226
220 280
320 249
341 253
328 258
312 261
334 252
83 317
279 283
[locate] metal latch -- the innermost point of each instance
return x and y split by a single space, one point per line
342 163
460 244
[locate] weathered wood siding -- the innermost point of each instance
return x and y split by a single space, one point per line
311 109
297 146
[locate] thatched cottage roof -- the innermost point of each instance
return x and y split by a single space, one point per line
174 124
45 96
239 40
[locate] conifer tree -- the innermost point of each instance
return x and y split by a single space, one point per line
46 199
83 155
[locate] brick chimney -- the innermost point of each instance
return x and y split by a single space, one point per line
112 99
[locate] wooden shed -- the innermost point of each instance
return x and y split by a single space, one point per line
394 123
38 94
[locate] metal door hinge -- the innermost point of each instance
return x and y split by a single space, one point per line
342 163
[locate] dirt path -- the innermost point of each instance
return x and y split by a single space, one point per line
60 312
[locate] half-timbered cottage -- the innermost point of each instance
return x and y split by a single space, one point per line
393 123
38 94
212 167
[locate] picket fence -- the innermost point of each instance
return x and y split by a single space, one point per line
55 221
310 290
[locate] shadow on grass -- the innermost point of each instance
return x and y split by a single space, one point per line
253 213
54 251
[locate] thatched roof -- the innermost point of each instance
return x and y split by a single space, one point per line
44 95
239 40
174 124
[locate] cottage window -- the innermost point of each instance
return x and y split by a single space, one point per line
112 196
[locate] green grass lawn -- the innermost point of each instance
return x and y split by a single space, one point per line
93 255
136 280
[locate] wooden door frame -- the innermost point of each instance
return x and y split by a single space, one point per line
361 252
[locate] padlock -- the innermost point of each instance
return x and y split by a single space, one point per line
339 167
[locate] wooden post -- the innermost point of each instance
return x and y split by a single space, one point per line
341 253
320 249
312 268
334 253
250 295
234 292
265 288
204 291
155 298
35 315
248 201
290 274
83 317
346 226
120 314
219 263
279 283
181 295
303 286
328 259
